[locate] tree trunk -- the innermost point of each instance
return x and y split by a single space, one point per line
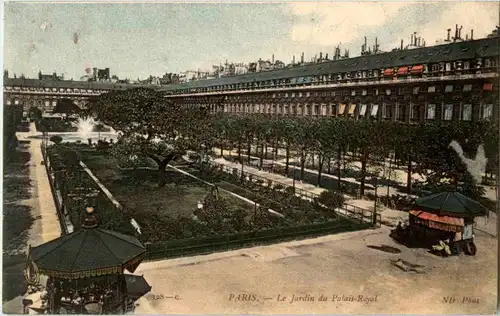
344 161
320 168
249 151
261 162
162 172
239 151
363 175
329 165
287 158
313 154
339 156
408 176
276 150
302 164
265 150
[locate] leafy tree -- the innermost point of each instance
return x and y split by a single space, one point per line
324 140
12 115
151 125
66 107
370 139
35 113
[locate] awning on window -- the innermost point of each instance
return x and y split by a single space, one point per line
431 89
388 72
446 223
342 109
467 88
362 110
488 87
403 71
448 88
374 109
417 69
352 108
293 81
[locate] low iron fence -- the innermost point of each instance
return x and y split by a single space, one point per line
57 201
198 246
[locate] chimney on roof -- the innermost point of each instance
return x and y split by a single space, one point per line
302 58
411 40
414 38
460 32
448 38
401 44
273 59
466 37
456 33
423 44
419 39
375 48
293 60
326 56
471 34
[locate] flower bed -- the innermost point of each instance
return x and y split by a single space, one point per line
273 196
79 190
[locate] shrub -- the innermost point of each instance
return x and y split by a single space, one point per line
56 139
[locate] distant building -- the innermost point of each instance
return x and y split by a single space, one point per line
102 74
192 75
53 77
240 69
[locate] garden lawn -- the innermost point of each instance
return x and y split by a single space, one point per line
137 190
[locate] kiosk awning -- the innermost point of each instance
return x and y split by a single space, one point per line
446 223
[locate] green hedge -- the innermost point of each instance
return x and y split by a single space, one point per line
196 246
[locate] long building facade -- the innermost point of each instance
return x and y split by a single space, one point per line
451 82
456 81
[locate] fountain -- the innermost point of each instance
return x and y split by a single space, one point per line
85 126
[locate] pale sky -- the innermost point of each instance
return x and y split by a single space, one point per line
136 40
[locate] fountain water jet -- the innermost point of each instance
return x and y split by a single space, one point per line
85 126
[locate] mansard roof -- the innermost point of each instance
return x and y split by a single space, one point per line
487 47
70 84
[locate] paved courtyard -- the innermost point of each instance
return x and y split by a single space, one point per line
346 265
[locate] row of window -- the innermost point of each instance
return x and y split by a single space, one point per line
449 111
372 92
62 90
437 69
